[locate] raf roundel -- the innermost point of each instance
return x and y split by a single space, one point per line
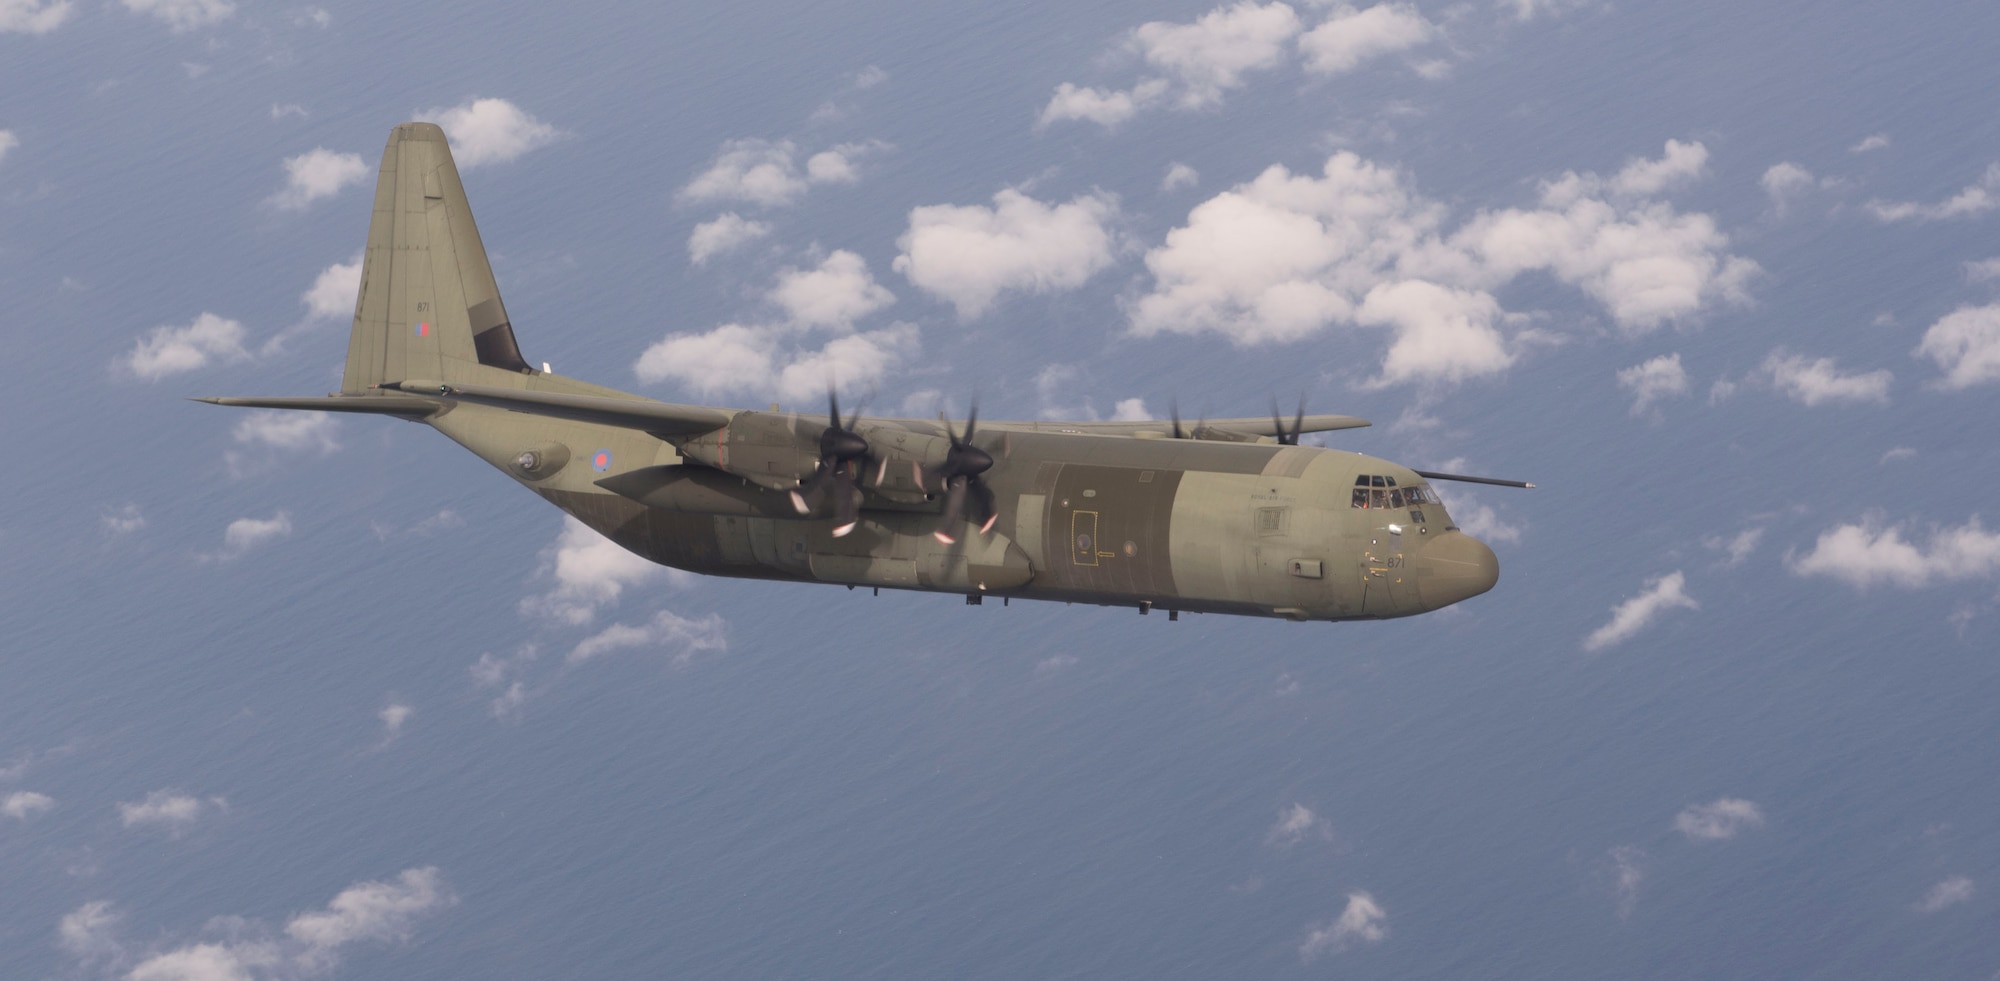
601 461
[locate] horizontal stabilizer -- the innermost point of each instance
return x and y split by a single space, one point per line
391 405
658 418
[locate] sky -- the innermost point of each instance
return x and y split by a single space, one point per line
290 696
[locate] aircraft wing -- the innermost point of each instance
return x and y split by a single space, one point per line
659 418
1250 428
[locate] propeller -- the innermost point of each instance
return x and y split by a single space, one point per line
840 448
959 478
1181 431
1289 438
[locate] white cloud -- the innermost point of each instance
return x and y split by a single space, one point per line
726 233
841 163
1877 141
1628 871
1983 270
393 716
1350 37
1661 594
288 109
1179 175
1654 381
1976 199
680 637
1286 256
8 140
334 291
172 810
1482 522
30 17
245 534
1719 820
1736 549
87 931
169 350
1211 55
758 171
1362 921
1950 892
122 520
1965 343
487 131
1785 182
1442 334
970 254
288 430
1898 453
1870 553
752 359
1812 381
1131 410
183 15
24 804
590 572
1105 107
311 943
837 293
317 173
1295 824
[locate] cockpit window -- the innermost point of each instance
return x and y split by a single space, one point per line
1382 492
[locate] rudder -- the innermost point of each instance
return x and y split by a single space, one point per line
428 307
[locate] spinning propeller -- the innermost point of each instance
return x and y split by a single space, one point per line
1289 438
959 477
840 448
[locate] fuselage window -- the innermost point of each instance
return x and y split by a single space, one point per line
1378 499
1378 481
1396 498
1360 497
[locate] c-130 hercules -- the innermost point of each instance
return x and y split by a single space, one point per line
1231 516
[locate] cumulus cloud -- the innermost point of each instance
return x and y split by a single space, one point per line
1976 199
590 572
681 638
1815 381
168 809
8 141
1876 141
287 430
1212 54
728 232
1719 820
334 291
122 520
1661 594
30 17
766 172
1131 410
1363 921
1965 343
24 804
1871 553
1950 892
183 15
1654 381
1628 872
1349 37
1786 182
245 534
488 131
837 293
1105 107
169 350
1735 550
1285 256
315 174
393 716
970 254
737 358
1179 175
311 943
1296 824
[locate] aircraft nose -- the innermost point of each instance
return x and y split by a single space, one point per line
1459 566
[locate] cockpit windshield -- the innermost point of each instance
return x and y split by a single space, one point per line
1377 491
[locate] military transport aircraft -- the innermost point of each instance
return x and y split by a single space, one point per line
1227 516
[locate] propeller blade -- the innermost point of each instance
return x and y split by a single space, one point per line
846 504
1299 421
954 508
1174 409
982 500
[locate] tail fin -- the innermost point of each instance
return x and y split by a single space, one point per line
429 307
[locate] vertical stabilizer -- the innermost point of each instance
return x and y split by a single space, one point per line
429 307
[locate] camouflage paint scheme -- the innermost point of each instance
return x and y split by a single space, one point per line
1229 520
